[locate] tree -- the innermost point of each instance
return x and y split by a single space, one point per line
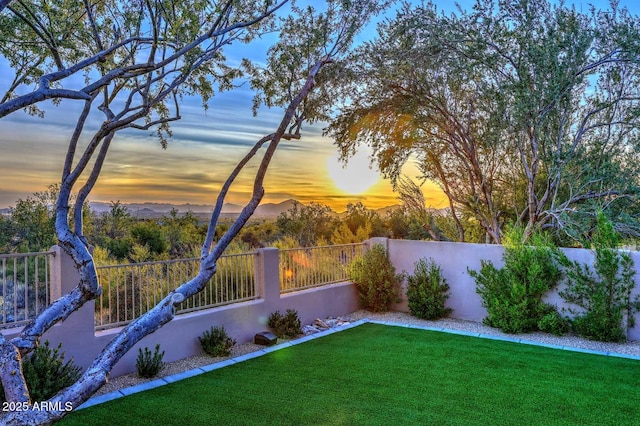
521 111
179 49
307 224
359 217
413 202
30 225
149 234
183 233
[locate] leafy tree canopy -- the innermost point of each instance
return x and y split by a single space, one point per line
524 112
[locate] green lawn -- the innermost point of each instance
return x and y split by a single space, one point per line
375 374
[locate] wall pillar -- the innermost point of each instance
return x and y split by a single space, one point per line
77 332
268 275
377 240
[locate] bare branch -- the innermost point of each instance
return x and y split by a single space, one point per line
44 92
90 183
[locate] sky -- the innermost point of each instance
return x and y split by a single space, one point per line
204 149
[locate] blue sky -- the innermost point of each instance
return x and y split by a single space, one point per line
205 147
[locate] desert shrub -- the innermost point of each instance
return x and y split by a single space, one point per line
552 322
513 294
427 291
603 293
216 342
46 373
149 364
287 325
375 277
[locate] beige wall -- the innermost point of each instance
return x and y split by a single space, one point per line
455 258
243 320
179 338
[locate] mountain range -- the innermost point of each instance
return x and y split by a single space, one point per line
203 211
267 210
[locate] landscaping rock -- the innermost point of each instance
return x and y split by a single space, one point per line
319 325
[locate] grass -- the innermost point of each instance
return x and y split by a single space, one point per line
380 375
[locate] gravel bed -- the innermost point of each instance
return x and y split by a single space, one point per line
175 367
627 348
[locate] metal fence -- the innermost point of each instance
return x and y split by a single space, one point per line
24 286
130 290
316 266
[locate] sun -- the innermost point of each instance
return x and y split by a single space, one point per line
355 177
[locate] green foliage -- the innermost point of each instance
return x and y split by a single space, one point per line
287 325
183 234
343 234
150 234
527 72
552 322
46 373
30 226
427 291
149 364
216 342
376 279
307 224
604 292
359 218
513 294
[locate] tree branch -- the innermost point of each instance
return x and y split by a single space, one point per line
15 388
44 92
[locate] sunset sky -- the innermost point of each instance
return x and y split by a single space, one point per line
203 151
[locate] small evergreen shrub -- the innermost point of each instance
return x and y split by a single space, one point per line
375 277
603 292
513 294
427 291
287 325
552 322
149 364
46 373
216 342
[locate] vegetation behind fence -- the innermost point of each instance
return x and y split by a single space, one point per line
315 266
130 290
24 286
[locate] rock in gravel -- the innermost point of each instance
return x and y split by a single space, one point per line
319 325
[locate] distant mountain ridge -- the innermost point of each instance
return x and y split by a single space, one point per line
266 210
151 210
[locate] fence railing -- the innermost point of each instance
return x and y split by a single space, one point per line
24 286
130 290
316 266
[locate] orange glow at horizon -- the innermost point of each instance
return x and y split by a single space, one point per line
137 170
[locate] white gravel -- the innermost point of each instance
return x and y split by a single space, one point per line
175 367
627 348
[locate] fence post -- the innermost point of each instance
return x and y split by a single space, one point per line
55 275
378 240
268 274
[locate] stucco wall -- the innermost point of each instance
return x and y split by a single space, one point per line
179 338
242 320
456 258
